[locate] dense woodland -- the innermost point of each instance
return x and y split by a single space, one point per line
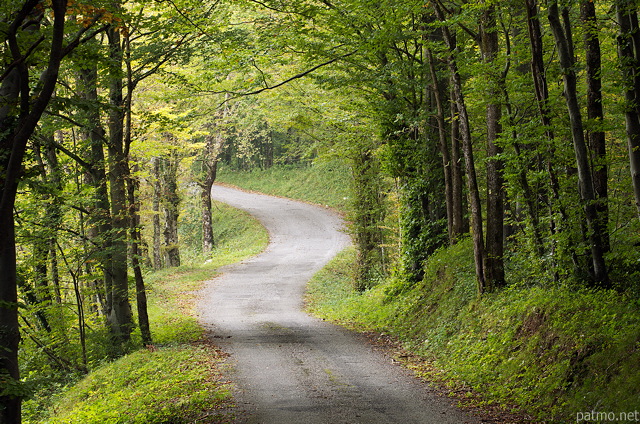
515 123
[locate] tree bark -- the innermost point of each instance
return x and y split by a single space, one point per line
494 253
95 176
213 148
629 54
460 225
15 92
141 291
171 207
595 114
120 316
157 198
443 144
467 148
542 98
133 204
564 44
208 240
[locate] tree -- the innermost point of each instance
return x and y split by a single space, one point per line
595 114
209 163
494 255
563 37
629 53
21 107
118 306
467 148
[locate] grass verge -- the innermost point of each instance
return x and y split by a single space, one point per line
554 353
177 384
178 379
323 182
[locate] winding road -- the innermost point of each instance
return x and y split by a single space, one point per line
289 367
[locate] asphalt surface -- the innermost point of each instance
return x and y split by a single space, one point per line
292 368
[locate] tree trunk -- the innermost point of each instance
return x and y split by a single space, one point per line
444 150
213 148
141 292
208 240
171 206
17 128
629 54
595 114
9 334
157 197
542 97
99 225
134 205
460 225
120 316
467 148
494 261
562 35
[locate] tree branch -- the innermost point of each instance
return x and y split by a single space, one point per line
18 62
288 80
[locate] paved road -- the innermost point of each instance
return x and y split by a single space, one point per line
289 367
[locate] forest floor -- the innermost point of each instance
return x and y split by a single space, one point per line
290 367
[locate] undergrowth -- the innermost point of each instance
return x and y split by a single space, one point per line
170 385
177 379
552 352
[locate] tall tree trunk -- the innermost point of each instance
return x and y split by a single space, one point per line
460 225
564 43
99 225
542 97
213 148
528 196
141 292
120 316
40 294
443 144
467 148
17 128
595 114
134 205
211 169
171 207
157 198
494 254
9 334
629 53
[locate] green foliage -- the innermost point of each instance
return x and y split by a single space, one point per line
548 351
171 291
174 327
367 215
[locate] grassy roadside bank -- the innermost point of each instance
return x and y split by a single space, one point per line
554 354
323 183
179 378
560 354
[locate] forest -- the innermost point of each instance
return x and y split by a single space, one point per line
513 124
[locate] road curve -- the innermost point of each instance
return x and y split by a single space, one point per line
292 368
